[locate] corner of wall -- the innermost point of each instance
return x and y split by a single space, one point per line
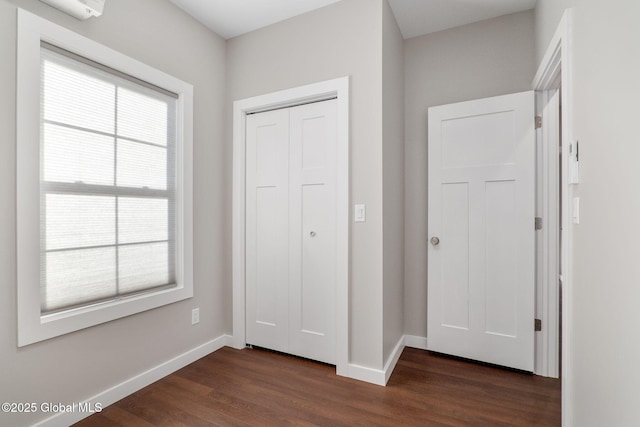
393 176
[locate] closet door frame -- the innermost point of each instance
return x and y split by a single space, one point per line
330 89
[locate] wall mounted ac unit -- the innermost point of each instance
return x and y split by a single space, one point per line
81 9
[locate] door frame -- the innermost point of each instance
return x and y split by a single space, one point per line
321 91
555 70
547 362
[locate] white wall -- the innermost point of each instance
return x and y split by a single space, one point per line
76 366
488 58
606 273
547 16
338 40
393 179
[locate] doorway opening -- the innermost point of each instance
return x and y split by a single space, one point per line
337 89
557 172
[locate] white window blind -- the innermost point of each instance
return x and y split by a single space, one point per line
107 183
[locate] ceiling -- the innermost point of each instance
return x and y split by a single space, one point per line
230 18
418 17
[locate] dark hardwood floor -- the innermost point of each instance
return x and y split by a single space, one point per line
260 388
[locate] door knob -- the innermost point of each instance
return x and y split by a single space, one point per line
312 234
435 241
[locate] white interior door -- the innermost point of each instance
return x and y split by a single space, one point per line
291 230
312 235
481 265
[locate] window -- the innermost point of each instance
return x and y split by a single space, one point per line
104 197
107 184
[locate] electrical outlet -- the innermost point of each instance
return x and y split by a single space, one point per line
195 316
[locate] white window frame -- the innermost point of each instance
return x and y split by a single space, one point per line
32 325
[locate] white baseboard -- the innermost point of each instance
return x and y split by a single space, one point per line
415 342
393 359
377 376
138 382
363 373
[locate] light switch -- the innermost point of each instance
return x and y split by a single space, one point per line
360 214
574 163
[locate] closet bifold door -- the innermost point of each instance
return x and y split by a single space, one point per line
267 228
291 220
312 238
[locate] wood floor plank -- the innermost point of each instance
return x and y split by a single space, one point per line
118 416
254 387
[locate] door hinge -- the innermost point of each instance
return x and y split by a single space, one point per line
538 223
538 122
537 325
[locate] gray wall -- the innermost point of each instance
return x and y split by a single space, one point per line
604 369
76 366
393 179
338 40
488 58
